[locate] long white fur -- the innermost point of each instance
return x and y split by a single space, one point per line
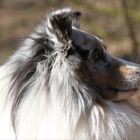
62 114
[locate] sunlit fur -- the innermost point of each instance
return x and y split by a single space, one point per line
56 104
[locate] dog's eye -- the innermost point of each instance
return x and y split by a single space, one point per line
96 55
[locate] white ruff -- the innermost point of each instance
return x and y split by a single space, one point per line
63 108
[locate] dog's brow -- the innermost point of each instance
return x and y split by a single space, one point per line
103 45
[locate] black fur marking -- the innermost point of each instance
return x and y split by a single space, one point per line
75 17
62 26
83 53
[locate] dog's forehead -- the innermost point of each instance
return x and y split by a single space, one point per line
86 40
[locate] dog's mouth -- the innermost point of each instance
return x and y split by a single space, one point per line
115 94
117 90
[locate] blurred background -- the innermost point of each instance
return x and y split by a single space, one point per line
117 22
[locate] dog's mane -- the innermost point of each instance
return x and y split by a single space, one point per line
42 61
45 82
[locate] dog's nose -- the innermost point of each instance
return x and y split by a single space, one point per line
129 71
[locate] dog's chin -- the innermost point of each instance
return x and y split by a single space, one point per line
115 94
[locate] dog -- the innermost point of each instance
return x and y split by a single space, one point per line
62 84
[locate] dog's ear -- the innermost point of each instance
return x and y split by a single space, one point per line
62 22
75 20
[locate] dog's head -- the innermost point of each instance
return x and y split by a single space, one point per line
111 77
